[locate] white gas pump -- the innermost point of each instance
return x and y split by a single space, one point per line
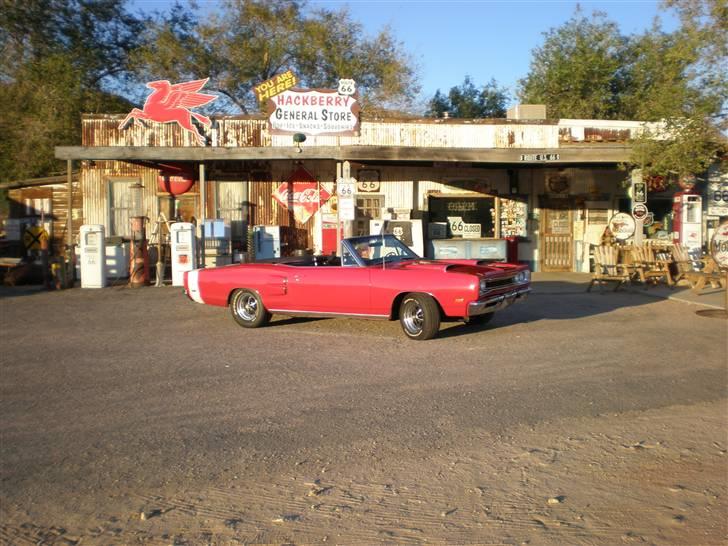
688 219
182 235
93 256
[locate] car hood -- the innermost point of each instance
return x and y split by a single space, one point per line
474 267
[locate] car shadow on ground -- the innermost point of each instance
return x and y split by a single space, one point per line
559 300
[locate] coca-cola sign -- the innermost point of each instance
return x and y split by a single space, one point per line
302 194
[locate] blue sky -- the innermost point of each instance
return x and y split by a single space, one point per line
481 38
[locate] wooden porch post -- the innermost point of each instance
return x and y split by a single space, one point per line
203 213
70 265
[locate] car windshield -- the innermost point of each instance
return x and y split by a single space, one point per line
381 249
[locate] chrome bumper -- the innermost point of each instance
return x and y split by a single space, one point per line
495 303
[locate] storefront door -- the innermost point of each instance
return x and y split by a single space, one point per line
557 238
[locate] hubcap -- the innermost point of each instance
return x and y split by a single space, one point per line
247 307
413 317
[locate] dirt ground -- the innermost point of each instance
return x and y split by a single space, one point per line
138 417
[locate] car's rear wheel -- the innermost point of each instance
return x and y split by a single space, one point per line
419 316
481 319
247 309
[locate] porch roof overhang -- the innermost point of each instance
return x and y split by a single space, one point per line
580 154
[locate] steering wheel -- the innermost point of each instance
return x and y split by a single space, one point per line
390 253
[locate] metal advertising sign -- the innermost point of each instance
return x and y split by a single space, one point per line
171 104
639 192
639 211
275 85
719 246
313 112
303 194
717 197
345 189
622 226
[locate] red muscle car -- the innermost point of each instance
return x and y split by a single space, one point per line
375 277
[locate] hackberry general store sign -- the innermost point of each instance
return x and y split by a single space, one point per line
314 112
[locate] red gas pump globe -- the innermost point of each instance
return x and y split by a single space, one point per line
176 182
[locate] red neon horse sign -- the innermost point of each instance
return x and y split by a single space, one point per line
170 103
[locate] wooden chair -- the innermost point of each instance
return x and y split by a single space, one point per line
683 263
689 270
607 268
648 268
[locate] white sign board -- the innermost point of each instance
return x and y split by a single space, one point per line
313 112
622 226
717 198
719 246
458 228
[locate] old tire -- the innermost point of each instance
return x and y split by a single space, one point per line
481 320
419 316
247 309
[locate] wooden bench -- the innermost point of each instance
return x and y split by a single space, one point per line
607 268
709 275
648 267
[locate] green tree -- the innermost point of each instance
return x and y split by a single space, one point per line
577 72
680 79
467 101
249 41
56 56
587 69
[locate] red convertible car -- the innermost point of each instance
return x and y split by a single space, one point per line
375 277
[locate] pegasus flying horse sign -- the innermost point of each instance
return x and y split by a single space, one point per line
171 103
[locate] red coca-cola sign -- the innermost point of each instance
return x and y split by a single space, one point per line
302 194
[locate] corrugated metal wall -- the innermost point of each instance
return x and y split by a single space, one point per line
94 185
58 194
103 130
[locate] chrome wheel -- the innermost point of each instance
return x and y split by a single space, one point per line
419 316
247 307
413 317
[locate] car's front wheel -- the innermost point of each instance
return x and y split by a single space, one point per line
419 316
247 309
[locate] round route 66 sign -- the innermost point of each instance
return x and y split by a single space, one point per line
719 246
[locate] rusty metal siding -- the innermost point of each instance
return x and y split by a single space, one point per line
242 133
58 194
265 210
103 130
96 192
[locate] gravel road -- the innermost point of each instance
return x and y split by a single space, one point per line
137 416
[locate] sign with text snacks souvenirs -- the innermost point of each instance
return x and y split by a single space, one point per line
301 193
275 86
315 112
622 226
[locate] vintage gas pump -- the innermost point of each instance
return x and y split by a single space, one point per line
93 256
182 238
139 256
687 222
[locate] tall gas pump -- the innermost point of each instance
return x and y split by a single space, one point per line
687 222
139 258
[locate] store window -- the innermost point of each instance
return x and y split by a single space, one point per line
120 206
368 207
230 206
471 209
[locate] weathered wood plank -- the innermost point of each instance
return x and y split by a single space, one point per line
587 154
